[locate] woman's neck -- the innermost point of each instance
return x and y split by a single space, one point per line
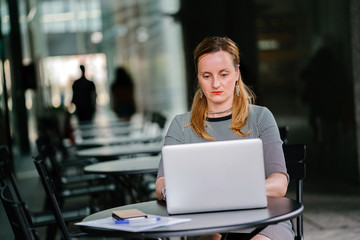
221 113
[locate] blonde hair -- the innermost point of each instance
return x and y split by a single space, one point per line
241 103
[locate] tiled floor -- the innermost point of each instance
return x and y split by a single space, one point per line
332 210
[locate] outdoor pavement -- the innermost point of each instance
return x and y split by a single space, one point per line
332 209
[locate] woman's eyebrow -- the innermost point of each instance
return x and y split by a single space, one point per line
221 70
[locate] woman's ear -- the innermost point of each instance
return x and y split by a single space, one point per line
237 72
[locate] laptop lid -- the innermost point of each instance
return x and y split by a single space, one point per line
214 176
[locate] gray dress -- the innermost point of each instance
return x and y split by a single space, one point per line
262 125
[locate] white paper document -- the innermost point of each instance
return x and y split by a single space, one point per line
152 221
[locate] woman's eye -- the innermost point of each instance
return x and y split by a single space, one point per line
206 76
224 74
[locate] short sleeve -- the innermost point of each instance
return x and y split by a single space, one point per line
272 143
174 135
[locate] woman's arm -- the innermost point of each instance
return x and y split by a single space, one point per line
276 185
174 136
275 168
159 185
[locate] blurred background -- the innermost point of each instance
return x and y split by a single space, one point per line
300 57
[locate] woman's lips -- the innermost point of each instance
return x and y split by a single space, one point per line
217 92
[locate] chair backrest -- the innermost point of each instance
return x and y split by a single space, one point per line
7 170
158 118
284 133
47 151
294 156
16 216
7 175
51 196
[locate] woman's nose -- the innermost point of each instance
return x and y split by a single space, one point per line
216 82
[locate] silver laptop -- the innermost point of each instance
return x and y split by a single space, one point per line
214 176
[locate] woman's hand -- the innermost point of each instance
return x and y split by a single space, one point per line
276 185
159 185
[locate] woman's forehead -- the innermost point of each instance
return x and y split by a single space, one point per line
216 59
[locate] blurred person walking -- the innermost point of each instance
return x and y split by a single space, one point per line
84 97
122 90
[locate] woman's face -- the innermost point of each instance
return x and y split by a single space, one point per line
217 76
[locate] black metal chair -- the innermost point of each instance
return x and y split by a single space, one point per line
83 185
51 197
62 164
18 221
42 218
294 156
284 133
158 118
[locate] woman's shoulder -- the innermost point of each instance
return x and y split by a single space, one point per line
183 118
178 123
258 111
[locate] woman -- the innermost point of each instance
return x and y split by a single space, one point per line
222 110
